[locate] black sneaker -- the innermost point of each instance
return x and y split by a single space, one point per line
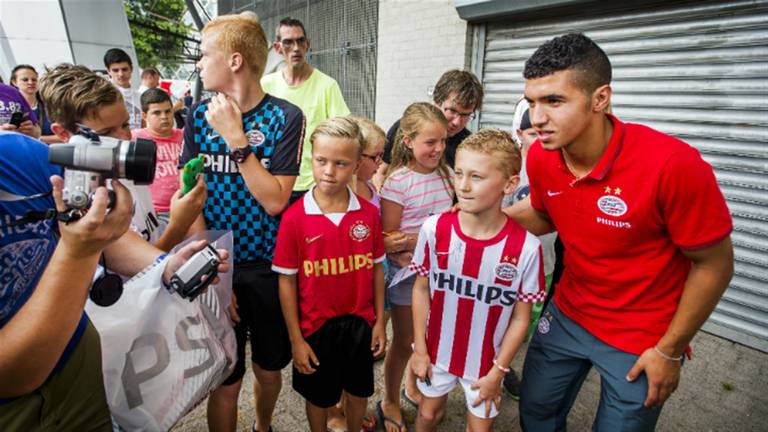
512 384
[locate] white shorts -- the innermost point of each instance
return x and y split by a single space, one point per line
442 384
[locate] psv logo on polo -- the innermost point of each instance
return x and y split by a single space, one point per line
612 205
359 231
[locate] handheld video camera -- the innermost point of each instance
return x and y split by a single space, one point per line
196 274
89 159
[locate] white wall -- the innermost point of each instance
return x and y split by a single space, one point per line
418 41
32 32
48 32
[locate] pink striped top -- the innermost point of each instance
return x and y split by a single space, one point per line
421 196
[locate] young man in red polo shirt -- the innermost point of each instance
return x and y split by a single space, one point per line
647 246
330 254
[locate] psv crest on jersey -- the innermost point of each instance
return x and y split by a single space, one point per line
255 137
505 271
359 231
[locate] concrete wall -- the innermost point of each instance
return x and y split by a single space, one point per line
418 41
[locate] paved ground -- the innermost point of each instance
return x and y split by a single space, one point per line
724 388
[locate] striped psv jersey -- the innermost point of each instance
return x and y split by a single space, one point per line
474 285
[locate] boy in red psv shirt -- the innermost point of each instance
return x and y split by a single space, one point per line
479 273
329 254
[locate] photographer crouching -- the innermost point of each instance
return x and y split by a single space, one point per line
50 362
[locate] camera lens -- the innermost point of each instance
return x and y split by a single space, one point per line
140 161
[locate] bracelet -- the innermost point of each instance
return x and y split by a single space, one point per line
500 367
666 357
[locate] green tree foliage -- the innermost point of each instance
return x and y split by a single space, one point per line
159 35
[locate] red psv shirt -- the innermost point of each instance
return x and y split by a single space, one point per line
624 227
333 260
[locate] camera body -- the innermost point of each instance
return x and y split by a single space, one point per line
89 159
196 274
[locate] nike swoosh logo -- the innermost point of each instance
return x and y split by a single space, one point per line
310 240
550 193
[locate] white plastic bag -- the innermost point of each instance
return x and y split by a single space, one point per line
161 353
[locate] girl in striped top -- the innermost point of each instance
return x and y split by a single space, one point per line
418 183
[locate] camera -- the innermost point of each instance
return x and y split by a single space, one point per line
89 159
188 280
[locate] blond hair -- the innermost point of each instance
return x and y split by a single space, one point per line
415 117
241 33
498 144
340 127
72 93
369 131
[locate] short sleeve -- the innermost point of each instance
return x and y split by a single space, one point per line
286 258
287 155
532 172
420 263
191 149
532 286
692 206
336 106
390 143
392 190
379 255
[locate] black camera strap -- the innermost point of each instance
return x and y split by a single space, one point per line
33 216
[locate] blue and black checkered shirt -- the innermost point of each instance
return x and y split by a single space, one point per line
275 130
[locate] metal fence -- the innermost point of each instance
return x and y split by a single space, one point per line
343 36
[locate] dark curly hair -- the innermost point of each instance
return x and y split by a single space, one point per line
572 51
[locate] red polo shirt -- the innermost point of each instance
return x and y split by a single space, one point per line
624 227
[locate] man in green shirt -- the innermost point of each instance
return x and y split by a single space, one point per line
317 94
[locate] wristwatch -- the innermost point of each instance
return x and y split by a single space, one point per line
241 154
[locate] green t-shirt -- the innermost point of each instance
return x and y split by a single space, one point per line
320 98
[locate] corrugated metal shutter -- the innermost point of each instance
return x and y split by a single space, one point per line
698 71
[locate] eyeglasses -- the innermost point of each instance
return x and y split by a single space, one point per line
289 43
375 158
464 115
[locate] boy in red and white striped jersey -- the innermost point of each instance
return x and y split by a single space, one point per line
478 274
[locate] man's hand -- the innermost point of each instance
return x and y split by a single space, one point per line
185 209
98 228
178 259
663 376
490 390
226 119
378 338
304 357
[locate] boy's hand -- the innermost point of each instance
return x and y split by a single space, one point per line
226 119
98 228
421 366
395 241
233 309
185 209
490 390
304 357
378 339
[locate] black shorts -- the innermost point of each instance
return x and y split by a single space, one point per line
258 304
343 348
